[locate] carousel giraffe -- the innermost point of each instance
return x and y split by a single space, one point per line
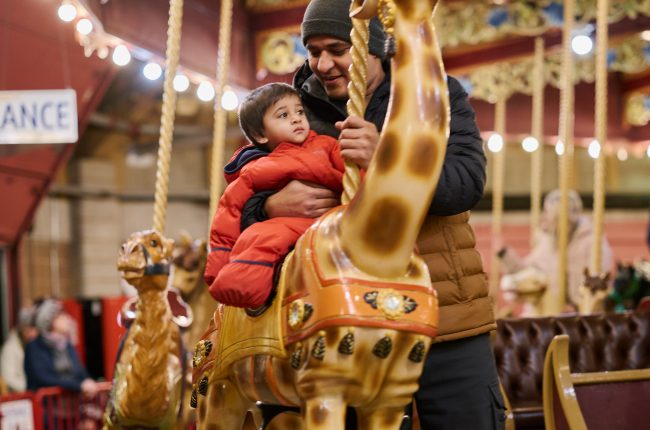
593 292
148 374
354 311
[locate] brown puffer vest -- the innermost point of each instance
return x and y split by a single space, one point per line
448 246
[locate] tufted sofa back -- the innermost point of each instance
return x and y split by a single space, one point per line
597 343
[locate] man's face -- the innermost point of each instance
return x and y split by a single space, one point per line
329 59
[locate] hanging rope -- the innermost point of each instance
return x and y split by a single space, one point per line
566 136
220 114
168 113
498 174
357 90
601 133
537 130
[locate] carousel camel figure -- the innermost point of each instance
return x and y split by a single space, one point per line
148 374
354 312
593 292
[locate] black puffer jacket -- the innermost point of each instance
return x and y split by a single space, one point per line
462 179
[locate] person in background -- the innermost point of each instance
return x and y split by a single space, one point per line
50 359
544 255
12 356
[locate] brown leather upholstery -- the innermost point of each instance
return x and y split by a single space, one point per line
597 343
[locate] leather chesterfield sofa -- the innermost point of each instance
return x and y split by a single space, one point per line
599 342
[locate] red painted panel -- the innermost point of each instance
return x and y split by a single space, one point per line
112 332
75 310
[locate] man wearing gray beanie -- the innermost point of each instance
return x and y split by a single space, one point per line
459 387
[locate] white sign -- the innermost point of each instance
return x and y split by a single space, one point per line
16 415
43 116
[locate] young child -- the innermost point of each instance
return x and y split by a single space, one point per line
241 264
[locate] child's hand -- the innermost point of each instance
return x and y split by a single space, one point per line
301 199
358 140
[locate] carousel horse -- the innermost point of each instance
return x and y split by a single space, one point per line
148 374
593 292
525 288
354 311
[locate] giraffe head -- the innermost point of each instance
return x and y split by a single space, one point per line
144 260
189 257
592 292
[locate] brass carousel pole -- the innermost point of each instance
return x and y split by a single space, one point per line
357 90
220 114
601 133
557 299
498 173
168 114
537 129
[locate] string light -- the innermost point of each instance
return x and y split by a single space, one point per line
559 148
121 55
594 149
582 44
67 12
205 91
530 144
495 143
645 35
621 154
152 71
229 100
181 83
647 151
84 26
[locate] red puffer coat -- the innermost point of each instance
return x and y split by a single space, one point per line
240 265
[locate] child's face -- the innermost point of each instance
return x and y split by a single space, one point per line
285 121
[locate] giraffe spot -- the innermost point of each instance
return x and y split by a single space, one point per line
407 9
414 271
213 426
215 398
318 414
387 153
423 156
403 54
384 229
425 31
202 409
396 99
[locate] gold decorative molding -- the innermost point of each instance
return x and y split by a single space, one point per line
279 51
273 5
636 112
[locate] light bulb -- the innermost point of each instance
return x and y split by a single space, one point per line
229 100
84 26
152 71
67 12
205 91
121 55
530 144
582 44
559 147
495 143
181 83
621 154
594 149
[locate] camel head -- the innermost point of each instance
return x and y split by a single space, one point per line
189 257
144 260
593 291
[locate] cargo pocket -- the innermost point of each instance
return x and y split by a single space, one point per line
498 407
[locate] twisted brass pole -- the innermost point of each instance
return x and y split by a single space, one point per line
168 113
498 179
537 129
601 133
220 114
566 136
357 94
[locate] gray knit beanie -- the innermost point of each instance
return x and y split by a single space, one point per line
45 314
332 18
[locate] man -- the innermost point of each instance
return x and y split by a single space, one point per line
459 387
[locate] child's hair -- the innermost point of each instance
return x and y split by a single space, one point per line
255 105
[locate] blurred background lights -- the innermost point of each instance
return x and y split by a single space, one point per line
647 151
229 100
559 147
495 142
67 12
152 71
205 91
121 55
621 154
594 149
530 144
582 44
181 83
84 26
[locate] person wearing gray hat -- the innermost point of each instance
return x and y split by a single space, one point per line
459 388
